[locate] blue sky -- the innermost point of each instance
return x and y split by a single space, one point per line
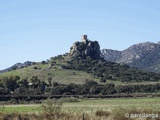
36 30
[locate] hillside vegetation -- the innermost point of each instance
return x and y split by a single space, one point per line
51 68
80 72
63 75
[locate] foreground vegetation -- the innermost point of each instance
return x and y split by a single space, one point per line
64 76
89 109
14 86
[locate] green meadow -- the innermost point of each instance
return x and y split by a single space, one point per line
92 105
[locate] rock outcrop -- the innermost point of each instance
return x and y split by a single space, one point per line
85 48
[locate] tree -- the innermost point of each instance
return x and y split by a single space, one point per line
102 80
41 87
94 90
35 80
72 88
90 83
21 91
24 83
43 62
50 81
10 83
55 84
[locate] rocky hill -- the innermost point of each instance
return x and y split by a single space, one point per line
145 56
84 60
85 48
82 71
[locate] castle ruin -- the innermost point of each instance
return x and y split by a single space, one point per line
85 48
84 38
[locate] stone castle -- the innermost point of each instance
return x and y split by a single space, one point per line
85 48
84 38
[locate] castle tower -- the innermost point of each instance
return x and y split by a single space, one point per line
84 38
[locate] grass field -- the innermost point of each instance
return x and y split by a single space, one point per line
56 72
97 109
62 76
93 104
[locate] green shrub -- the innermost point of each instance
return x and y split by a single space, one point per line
52 107
70 99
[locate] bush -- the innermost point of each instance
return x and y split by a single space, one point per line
102 80
13 101
51 107
43 62
101 113
70 99
35 67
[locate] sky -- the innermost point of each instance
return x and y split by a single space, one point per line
36 30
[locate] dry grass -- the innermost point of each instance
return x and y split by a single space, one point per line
115 114
62 116
112 109
101 113
133 114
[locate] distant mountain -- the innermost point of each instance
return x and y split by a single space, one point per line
145 56
17 66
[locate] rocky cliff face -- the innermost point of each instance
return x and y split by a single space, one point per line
145 56
85 48
110 55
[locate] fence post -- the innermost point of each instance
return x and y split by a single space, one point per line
83 117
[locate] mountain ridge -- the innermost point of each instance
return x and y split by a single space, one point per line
17 66
144 56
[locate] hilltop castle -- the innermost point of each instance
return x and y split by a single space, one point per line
84 38
85 48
